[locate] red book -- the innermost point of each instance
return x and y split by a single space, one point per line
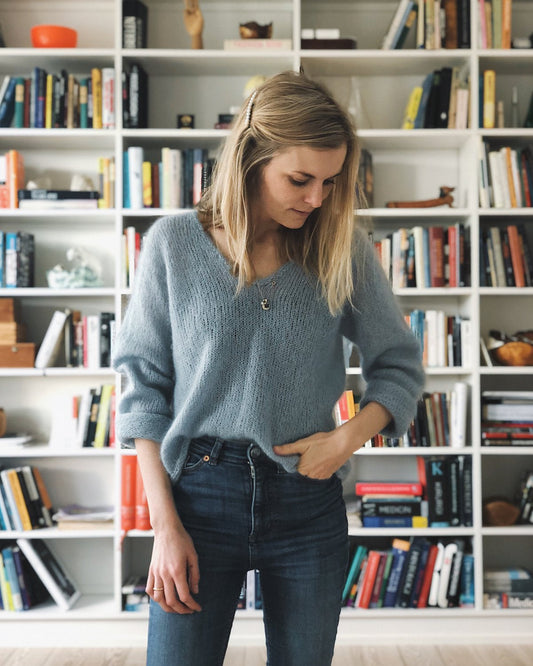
388 487
127 492
142 515
516 255
428 575
524 178
452 256
374 558
436 254
378 583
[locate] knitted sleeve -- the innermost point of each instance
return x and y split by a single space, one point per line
143 349
389 353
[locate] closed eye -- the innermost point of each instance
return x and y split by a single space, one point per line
298 183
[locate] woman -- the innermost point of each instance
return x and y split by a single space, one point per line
232 347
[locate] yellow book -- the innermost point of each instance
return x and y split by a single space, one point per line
147 184
489 99
351 403
412 108
102 420
49 101
96 76
19 499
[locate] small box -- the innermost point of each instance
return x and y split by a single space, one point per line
185 121
20 355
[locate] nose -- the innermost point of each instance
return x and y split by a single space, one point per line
315 195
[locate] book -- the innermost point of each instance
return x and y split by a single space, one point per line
262 44
50 346
489 99
134 24
12 579
391 487
400 548
7 101
396 24
51 571
354 570
438 490
449 553
128 464
367 584
142 514
412 565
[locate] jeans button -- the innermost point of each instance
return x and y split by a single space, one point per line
255 452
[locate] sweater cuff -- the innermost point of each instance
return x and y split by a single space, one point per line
141 426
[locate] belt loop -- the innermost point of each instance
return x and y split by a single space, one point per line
215 451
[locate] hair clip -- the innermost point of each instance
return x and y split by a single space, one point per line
249 109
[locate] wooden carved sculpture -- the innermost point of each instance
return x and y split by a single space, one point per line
194 23
445 198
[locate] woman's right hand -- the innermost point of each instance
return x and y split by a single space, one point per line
174 567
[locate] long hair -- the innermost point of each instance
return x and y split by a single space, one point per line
286 111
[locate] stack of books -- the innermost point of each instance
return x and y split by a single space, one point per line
510 587
24 500
392 504
507 418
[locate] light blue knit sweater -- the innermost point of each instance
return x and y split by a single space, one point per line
200 360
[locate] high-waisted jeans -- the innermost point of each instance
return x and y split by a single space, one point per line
245 512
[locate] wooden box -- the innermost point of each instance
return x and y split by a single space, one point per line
8 309
20 355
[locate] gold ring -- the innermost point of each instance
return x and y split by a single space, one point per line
157 589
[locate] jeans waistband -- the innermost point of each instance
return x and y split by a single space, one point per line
233 451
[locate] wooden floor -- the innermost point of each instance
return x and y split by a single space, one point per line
364 655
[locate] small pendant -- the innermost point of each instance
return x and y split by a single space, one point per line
265 304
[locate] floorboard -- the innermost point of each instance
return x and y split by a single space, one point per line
360 655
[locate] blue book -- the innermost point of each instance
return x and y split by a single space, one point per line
2 259
421 113
400 548
125 182
12 579
10 259
387 521
7 104
427 255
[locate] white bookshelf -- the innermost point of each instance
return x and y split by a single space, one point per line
407 165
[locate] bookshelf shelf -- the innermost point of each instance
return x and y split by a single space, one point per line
408 165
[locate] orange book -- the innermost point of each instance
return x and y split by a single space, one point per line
19 499
367 584
507 7
127 492
142 515
15 176
506 150
516 256
427 576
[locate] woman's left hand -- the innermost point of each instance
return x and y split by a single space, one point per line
321 454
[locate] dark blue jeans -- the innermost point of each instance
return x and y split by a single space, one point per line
244 512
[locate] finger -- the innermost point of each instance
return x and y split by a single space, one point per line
185 596
194 576
288 449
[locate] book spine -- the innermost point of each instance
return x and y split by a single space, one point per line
127 504
96 78
378 488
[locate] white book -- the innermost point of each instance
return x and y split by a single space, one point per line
135 176
51 344
174 178
435 579
250 590
496 178
430 324
420 272
459 409
93 341
108 97
51 572
450 551
461 113
441 339
394 24
466 343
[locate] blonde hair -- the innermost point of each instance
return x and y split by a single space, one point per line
286 111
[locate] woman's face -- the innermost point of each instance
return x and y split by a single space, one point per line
294 183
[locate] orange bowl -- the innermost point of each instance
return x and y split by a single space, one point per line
53 37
